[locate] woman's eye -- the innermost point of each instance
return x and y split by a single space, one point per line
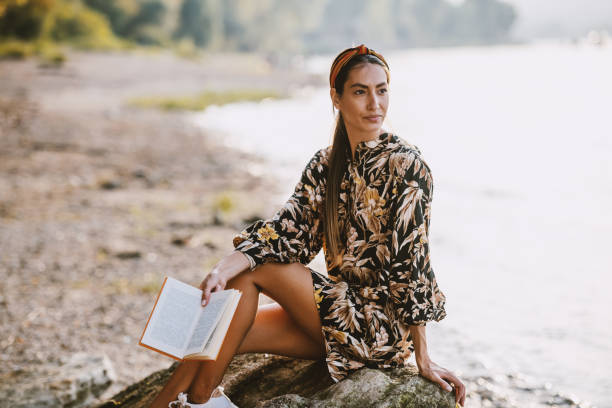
358 92
383 90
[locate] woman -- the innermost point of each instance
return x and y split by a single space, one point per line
366 201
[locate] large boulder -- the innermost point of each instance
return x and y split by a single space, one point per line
255 380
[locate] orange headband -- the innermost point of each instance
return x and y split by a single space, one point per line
345 57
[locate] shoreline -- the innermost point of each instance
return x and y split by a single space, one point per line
98 201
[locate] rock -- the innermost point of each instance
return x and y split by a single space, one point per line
109 184
74 383
371 388
128 254
121 249
254 380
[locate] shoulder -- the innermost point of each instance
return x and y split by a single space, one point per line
406 161
315 171
319 161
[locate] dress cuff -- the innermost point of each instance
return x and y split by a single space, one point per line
431 314
240 245
252 263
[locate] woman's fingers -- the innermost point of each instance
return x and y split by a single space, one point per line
212 283
206 295
438 379
444 379
458 385
207 287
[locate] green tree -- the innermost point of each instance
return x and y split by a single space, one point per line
23 19
118 12
138 21
144 26
72 22
195 21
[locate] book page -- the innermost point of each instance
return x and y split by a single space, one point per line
214 343
208 320
173 318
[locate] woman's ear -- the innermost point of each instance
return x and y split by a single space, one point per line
334 97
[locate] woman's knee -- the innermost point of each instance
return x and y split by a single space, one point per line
273 272
241 281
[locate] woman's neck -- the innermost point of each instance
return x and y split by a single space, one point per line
355 139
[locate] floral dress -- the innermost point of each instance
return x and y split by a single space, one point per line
384 282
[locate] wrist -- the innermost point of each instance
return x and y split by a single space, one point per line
232 265
221 274
423 361
245 261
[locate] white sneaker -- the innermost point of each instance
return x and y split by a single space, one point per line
217 400
181 401
220 400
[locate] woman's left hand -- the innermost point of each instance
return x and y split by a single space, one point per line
444 379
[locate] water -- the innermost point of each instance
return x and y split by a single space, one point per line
519 139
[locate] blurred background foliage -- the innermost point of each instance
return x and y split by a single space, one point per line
271 26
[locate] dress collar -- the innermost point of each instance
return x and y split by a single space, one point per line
363 147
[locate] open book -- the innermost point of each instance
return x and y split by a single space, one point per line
179 327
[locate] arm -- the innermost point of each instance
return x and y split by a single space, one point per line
420 347
412 283
413 288
293 234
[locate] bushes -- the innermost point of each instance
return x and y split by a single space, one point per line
23 19
15 49
73 23
38 27
203 100
51 55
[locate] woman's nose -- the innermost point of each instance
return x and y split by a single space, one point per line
373 101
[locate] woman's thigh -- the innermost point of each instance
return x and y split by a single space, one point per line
275 332
290 285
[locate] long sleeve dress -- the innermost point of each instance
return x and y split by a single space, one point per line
385 282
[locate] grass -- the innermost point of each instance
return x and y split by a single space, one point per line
49 53
15 49
203 100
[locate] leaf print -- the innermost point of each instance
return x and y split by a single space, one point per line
345 314
288 225
382 253
382 337
380 162
384 281
341 336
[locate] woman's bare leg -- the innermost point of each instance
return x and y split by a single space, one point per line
275 332
291 286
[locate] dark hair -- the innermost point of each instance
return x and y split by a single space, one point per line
340 153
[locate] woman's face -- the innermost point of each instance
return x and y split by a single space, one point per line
364 101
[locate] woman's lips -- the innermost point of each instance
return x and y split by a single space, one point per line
374 118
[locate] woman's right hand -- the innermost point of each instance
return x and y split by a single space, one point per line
213 282
228 267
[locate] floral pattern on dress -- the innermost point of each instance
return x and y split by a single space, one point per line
384 282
